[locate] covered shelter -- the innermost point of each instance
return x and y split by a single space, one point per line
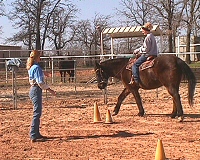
127 32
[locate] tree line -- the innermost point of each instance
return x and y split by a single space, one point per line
56 22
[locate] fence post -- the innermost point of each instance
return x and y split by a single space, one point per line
52 68
14 86
75 75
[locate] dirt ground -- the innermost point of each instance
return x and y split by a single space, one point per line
67 120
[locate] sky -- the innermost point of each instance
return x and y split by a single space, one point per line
87 8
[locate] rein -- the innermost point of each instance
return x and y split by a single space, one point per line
102 81
121 69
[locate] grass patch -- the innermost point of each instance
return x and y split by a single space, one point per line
195 65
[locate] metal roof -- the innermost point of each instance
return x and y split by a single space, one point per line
126 32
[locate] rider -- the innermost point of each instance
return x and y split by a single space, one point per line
147 50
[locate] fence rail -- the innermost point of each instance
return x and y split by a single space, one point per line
82 63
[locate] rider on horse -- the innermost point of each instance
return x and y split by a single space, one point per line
147 51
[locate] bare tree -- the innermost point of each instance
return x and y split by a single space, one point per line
189 19
136 12
88 32
1 12
84 34
47 17
62 28
171 12
23 18
167 13
33 19
197 21
133 13
26 16
98 24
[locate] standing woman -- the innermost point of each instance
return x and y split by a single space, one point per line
36 80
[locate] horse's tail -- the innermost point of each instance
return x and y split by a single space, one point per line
190 77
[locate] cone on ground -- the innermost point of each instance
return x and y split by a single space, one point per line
160 154
97 117
108 117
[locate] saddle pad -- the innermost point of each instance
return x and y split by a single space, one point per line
147 64
143 66
130 63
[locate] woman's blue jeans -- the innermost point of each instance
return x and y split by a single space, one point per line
36 97
136 65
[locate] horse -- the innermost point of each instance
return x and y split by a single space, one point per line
67 66
167 71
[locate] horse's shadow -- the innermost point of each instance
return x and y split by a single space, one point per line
194 117
122 134
75 106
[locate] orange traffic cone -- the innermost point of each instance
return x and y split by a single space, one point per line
160 154
97 117
108 117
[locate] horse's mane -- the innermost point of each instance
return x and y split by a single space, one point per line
113 66
114 61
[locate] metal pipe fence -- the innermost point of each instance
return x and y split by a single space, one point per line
8 80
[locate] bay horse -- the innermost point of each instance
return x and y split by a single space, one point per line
167 71
66 66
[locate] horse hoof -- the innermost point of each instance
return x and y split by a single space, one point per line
173 116
140 114
114 114
181 118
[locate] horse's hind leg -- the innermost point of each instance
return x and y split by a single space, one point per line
121 97
61 75
68 72
72 75
177 106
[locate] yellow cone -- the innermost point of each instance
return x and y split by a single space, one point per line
108 117
97 117
160 154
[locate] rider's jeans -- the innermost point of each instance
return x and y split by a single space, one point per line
136 65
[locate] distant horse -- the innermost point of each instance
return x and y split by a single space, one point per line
67 66
168 71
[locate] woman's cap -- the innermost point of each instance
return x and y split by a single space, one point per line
148 26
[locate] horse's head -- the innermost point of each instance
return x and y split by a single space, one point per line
101 76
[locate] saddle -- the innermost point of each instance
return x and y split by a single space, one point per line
147 64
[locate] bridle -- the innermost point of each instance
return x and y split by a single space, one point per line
105 80
102 77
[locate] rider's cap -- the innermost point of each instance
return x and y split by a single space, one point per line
148 26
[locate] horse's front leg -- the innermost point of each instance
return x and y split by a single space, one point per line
64 76
174 111
121 97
